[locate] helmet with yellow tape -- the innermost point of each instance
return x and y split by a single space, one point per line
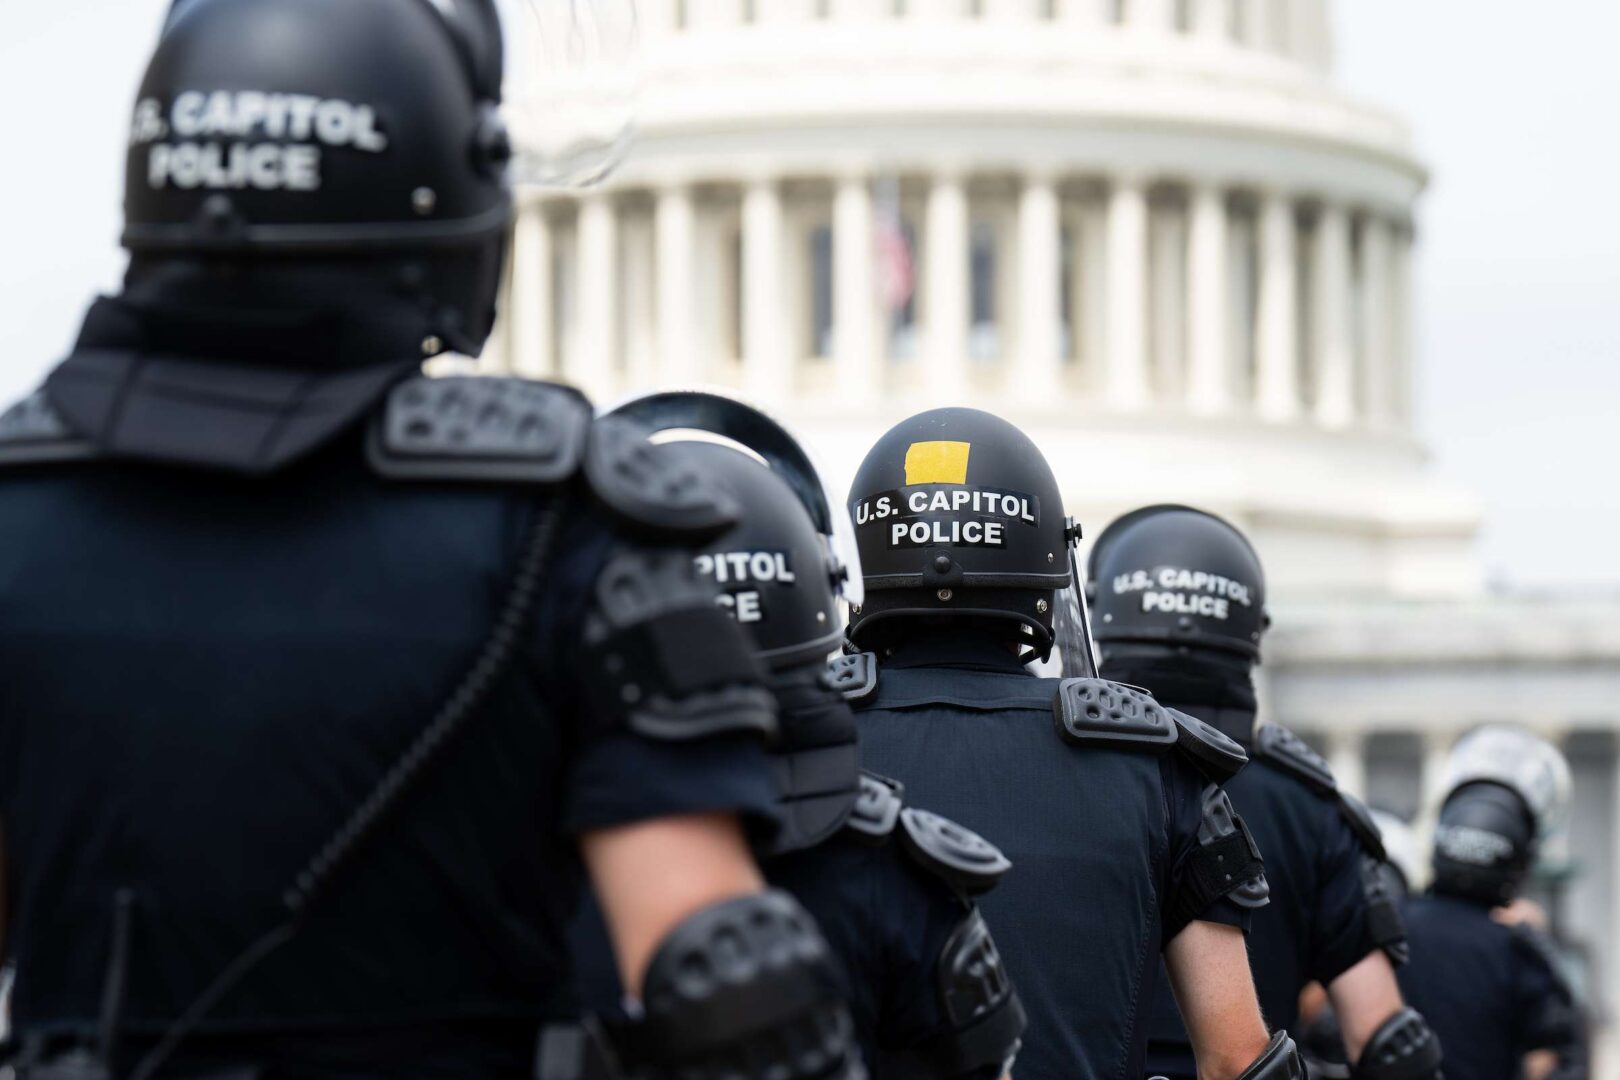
958 516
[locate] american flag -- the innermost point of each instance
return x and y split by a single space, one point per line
897 268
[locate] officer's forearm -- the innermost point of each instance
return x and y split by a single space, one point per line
652 875
1539 1064
1364 996
1209 972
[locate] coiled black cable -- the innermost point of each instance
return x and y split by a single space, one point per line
340 849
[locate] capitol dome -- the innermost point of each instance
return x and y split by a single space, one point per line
1151 232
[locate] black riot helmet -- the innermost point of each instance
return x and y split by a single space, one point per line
958 516
780 571
1177 575
773 569
1506 790
287 130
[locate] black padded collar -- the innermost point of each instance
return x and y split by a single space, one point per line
249 390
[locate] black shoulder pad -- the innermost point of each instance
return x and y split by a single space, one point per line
479 429
1281 747
854 676
1217 756
1361 822
1096 712
652 489
663 660
877 808
967 861
32 433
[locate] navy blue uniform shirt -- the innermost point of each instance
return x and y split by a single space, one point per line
1314 928
1098 838
1490 996
200 676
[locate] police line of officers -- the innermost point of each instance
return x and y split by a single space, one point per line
355 723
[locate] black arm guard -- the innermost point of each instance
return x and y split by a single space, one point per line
1403 1048
986 1016
1280 1061
664 661
744 989
1226 864
1384 922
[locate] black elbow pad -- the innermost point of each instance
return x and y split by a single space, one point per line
1403 1048
1279 1061
743 988
987 1019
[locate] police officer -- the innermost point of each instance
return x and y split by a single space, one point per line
1493 992
1321 1043
1106 802
320 677
1180 609
892 887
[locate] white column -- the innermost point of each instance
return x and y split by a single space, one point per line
1334 346
1401 345
1347 757
1277 355
1010 10
1084 12
784 10
945 304
594 363
1437 745
855 324
674 225
1167 236
713 14
1126 382
767 365
1040 281
846 11
936 9
529 303
1375 335
1247 19
656 18
1209 380
1152 16
1211 20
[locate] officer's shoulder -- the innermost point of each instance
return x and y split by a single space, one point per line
31 433
515 431
1279 748
953 853
1097 713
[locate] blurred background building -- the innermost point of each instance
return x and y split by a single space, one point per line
1153 234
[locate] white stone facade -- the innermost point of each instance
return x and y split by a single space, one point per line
1150 232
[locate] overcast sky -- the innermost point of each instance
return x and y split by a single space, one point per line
1518 260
